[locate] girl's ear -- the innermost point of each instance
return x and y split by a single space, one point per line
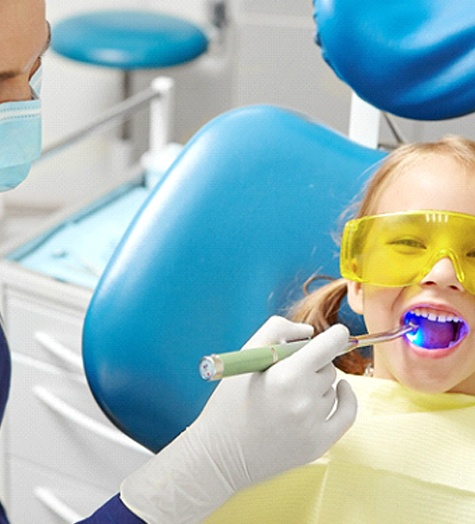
355 296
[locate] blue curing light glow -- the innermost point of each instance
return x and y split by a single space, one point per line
435 333
416 337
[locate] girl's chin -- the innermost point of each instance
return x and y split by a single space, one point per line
419 369
421 384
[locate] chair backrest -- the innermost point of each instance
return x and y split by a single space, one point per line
241 220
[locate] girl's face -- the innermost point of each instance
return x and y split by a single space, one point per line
438 183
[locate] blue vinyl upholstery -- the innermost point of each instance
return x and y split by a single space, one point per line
241 220
414 59
128 39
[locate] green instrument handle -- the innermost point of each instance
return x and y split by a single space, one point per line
215 367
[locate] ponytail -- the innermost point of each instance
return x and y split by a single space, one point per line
320 309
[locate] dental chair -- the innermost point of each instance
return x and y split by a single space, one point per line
247 211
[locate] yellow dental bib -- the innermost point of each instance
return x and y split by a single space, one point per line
408 459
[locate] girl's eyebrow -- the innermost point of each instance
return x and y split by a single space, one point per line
5 75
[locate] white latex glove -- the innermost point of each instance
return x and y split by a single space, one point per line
254 426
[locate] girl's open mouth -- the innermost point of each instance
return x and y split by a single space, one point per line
435 329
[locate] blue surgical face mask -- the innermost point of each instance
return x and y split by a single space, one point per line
20 136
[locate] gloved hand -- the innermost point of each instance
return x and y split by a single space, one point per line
254 426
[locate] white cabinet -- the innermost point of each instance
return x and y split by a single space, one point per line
60 457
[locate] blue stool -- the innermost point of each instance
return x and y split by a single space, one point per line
128 40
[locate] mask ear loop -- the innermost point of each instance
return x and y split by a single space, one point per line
36 82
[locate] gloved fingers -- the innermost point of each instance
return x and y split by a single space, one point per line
321 350
277 330
344 413
320 410
315 384
328 400
319 405
281 395
325 377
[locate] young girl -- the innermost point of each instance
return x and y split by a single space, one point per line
274 446
408 456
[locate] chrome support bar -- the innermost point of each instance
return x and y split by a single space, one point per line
109 118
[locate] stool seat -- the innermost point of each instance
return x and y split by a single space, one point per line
128 39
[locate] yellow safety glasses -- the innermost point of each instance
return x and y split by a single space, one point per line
399 249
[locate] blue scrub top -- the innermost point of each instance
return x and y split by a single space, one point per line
5 373
113 511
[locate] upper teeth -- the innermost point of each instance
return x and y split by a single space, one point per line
436 317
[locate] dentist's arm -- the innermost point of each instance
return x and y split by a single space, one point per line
253 427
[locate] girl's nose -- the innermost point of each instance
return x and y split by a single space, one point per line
443 274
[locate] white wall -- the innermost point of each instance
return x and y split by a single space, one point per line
268 56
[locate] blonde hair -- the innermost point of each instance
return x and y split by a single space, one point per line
320 307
